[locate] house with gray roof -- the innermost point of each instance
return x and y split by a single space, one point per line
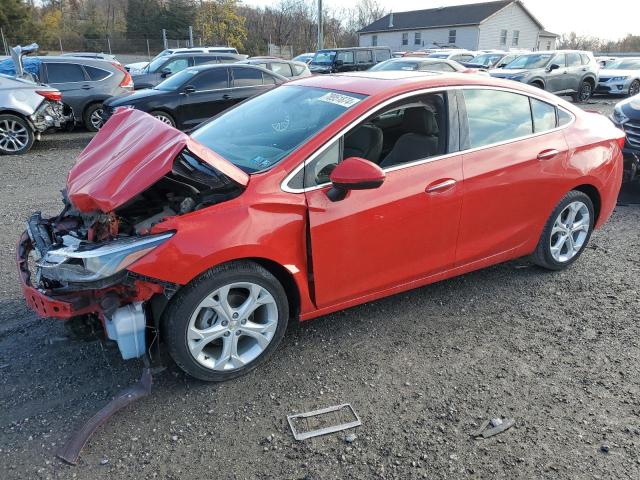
498 25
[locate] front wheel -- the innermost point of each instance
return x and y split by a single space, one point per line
634 88
163 117
16 135
226 322
566 232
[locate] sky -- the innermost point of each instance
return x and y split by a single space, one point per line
611 19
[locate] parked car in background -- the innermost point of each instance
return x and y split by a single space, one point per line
304 57
419 64
563 72
491 60
457 55
138 67
321 194
286 68
84 83
196 94
165 66
335 60
620 77
604 61
96 56
626 115
27 109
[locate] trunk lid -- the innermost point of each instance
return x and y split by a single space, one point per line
129 154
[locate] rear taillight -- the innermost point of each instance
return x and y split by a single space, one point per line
127 81
621 141
53 95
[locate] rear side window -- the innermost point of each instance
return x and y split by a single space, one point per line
563 117
213 79
495 116
364 56
246 77
382 55
298 69
574 60
268 79
544 116
281 68
96 74
65 72
585 59
346 57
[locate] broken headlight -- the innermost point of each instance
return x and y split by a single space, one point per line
82 263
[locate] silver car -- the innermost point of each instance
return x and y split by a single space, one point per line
287 68
620 77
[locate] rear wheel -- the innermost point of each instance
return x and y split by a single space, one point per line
634 88
16 135
92 117
566 232
226 322
585 91
163 117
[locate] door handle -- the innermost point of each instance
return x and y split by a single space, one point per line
547 154
226 96
440 185
86 87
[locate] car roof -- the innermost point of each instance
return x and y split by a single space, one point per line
390 83
93 62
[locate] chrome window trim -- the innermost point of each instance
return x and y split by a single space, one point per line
284 185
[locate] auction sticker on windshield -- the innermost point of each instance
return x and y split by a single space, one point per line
339 99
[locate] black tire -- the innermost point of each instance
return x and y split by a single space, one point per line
89 117
176 318
16 135
585 92
543 256
537 85
163 117
634 88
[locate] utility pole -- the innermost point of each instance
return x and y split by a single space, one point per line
164 39
191 36
320 35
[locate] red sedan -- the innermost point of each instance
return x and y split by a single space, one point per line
318 195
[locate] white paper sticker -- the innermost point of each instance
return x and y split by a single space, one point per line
338 99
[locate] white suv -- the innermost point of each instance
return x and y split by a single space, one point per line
137 67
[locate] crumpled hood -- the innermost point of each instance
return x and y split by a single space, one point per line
130 153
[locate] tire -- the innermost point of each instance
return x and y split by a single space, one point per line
92 118
16 135
545 255
585 92
537 85
634 88
202 328
163 117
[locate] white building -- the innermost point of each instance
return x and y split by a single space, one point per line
499 25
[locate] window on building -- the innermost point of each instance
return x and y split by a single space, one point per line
452 37
417 38
516 38
374 41
405 39
548 45
503 37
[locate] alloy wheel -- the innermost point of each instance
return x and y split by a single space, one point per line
634 88
585 92
96 119
163 119
13 136
570 231
232 326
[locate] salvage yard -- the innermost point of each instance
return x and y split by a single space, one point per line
556 352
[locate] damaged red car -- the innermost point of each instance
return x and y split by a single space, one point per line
318 195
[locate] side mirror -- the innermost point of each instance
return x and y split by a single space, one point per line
165 72
354 173
189 89
553 66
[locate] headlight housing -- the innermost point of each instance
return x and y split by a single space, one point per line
617 79
77 264
618 116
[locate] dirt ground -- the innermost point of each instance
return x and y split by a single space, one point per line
557 352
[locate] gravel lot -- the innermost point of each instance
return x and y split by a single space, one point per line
556 352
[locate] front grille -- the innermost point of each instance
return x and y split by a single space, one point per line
632 129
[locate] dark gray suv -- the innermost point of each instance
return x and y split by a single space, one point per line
563 72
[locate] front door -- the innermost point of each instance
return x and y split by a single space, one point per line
404 230
212 96
556 80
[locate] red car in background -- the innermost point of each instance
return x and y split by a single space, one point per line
318 195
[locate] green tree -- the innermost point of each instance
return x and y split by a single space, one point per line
177 16
219 22
15 19
143 18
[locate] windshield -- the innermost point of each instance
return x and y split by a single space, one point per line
438 55
175 81
323 57
260 132
486 60
395 65
539 60
624 64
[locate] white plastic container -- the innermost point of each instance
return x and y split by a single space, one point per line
127 328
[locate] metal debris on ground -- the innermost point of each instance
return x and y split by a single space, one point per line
492 427
320 417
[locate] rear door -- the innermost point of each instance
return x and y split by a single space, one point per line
348 60
72 81
403 231
512 173
364 59
246 82
211 96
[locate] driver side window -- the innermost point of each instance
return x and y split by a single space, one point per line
407 131
177 65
